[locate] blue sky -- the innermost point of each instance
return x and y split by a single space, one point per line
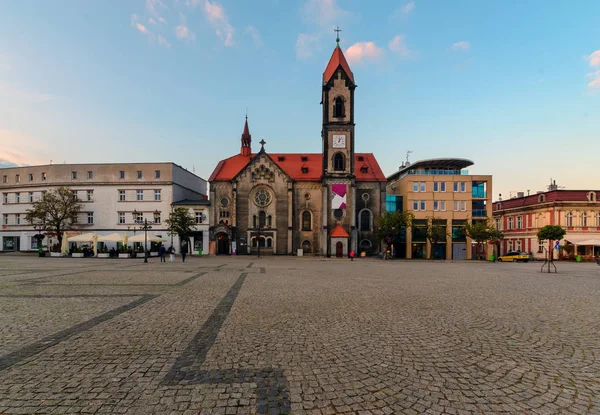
513 85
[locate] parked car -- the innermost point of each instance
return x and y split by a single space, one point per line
514 256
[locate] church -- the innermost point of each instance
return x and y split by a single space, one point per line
302 204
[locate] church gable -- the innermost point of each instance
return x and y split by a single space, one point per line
262 169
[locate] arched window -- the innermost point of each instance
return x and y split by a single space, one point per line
569 219
592 196
269 221
541 199
254 222
364 220
262 219
339 162
306 221
584 219
365 245
269 242
338 108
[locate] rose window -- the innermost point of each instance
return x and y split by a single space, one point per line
262 197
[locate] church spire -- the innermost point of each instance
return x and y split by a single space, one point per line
336 61
246 149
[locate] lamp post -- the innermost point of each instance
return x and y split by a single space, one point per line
144 227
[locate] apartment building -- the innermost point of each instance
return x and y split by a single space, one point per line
439 190
116 197
577 211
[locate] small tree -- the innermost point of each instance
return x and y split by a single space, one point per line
480 231
496 237
180 222
551 233
435 233
55 212
390 224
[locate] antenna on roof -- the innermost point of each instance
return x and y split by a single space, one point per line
407 155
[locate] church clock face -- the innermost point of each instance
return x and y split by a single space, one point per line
339 141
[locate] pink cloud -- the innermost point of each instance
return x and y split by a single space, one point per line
461 46
363 50
594 59
151 21
398 45
216 16
141 28
182 31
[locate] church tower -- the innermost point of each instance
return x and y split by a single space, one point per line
246 149
338 116
338 235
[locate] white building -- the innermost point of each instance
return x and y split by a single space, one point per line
115 198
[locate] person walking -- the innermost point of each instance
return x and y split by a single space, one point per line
171 254
351 255
161 253
183 250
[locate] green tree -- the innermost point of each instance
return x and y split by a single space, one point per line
551 233
390 224
55 212
180 222
435 233
480 231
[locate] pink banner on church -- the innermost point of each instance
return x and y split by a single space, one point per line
338 196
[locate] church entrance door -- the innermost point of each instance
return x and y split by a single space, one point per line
222 244
339 250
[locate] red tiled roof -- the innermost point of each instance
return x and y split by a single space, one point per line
337 59
292 164
550 196
339 232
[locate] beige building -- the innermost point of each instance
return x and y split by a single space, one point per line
577 211
321 203
116 197
440 190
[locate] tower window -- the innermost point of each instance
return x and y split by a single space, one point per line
338 108
306 221
339 162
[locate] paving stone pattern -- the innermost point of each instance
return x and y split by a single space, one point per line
236 335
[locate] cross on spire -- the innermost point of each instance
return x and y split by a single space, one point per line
337 30
262 144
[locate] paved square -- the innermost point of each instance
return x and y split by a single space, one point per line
245 335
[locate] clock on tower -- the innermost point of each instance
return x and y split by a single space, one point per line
339 141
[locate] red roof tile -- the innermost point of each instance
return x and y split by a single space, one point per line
339 232
292 164
337 59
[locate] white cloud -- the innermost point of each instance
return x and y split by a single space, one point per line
152 4
398 45
163 42
322 12
363 50
182 31
305 45
255 35
461 46
594 59
404 10
216 16
160 19
151 20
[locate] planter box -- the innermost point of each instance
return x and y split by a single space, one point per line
56 254
123 255
77 255
153 253
103 255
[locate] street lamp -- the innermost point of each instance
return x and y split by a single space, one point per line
144 227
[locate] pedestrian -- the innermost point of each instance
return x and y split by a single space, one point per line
183 250
171 254
161 253
351 255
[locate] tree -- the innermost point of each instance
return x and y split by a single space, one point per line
55 212
435 233
551 233
496 237
480 231
180 222
390 224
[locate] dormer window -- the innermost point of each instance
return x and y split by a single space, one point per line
281 158
304 158
338 108
304 170
360 158
364 169
541 198
591 196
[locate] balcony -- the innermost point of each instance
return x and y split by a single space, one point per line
479 213
479 194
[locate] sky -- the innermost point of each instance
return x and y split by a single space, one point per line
512 85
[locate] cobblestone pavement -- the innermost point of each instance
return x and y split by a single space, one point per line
246 335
